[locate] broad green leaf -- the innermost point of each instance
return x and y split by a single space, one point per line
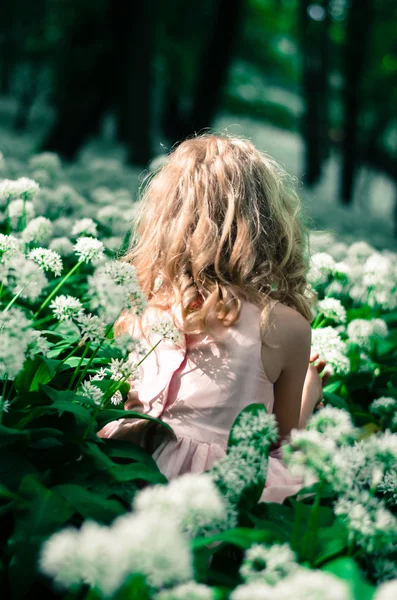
137 471
128 450
43 513
107 415
240 536
10 437
346 568
13 468
88 504
331 541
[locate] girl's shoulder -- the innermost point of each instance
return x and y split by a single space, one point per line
289 325
288 333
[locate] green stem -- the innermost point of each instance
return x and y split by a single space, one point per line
310 538
78 366
112 390
11 302
319 320
1 288
296 529
43 320
93 355
60 284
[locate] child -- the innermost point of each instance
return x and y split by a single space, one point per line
221 229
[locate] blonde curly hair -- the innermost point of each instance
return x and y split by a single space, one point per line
219 223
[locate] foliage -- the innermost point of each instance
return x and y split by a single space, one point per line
64 378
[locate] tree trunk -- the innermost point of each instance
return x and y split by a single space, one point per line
134 41
214 67
83 92
357 34
315 51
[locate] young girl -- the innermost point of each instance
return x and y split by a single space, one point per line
221 229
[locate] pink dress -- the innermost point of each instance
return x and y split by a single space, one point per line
198 388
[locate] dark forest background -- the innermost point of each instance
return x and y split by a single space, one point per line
160 70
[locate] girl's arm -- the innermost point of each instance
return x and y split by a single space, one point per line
290 408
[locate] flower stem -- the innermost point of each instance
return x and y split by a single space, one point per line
310 538
296 529
60 284
79 365
11 302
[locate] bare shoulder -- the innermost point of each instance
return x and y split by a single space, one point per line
293 331
288 334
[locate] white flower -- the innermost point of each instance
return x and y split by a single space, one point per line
117 397
4 405
192 500
187 591
384 407
370 524
339 250
305 584
19 208
165 328
332 309
15 337
386 591
309 454
91 327
14 189
39 231
154 547
128 345
62 226
261 427
322 266
268 564
120 369
47 161
363 332
360 251
59 558
48 260
85 227
112 243
254 591
62 245
242 467
25 274
331 348
9 246
66 307
91 391
88 249
113 287
38 344
388 487
334 423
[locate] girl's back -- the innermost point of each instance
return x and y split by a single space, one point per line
221 229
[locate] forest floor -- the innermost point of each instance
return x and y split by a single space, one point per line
369 218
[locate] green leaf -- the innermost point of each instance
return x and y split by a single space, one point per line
128 450
93 452
240 536
43 513
107 415
335 400
44 373
137 471
88 504
346 569
13 468
9 436
331 541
